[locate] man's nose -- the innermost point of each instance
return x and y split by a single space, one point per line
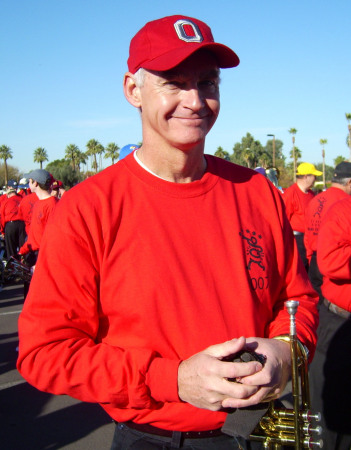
193 99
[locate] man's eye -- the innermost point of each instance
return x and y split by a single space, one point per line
174 83
208 83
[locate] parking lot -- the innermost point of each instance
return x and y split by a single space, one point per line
34 420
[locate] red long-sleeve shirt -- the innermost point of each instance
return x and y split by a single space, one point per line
40 216
26 209
334 253
9 210
136 273
296 203
316 210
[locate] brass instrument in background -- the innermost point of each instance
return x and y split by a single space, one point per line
291 427
17 269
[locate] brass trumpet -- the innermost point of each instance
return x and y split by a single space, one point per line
292 427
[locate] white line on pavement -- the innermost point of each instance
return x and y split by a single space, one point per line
11 384
10 312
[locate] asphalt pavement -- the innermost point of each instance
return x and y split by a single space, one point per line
34 420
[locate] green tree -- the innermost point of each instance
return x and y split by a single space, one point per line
71 154
93 149
100 150
5 154
279 157
339 159
295 155
62 170
348 118
40 155
293 131
111 151
220 153
247 152
81 158
249 157
323 142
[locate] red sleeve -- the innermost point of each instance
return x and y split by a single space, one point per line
288 198
84 367
334 254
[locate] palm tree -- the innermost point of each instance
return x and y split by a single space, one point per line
111 151
348 118
94 148
220 153
100 150
293 131
80 158
5 154
71 154
249 156
323 142
295 155
40 155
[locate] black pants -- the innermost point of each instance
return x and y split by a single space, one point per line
330 379
302 249
316 278
15 236
128 439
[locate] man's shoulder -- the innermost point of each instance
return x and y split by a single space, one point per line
341 207
229 170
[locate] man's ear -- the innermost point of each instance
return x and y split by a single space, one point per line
131 91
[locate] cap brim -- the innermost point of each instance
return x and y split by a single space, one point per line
225 56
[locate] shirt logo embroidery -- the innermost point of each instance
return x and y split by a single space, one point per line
255 258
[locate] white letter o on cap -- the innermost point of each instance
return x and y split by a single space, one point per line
179 27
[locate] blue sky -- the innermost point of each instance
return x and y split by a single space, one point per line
63 61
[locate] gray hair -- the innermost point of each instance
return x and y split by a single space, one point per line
342 181
139 77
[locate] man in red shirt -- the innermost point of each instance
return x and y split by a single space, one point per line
40 184
11 224
26 209
316 210
296 199
331 368
166 263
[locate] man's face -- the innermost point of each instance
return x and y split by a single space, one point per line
31 185
310 180
180 106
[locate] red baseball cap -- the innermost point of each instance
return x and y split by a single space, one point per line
164 43
56 184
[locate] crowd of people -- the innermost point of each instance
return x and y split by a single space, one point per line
168 263
321 226
24 213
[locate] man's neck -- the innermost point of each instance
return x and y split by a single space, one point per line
42 195
175 165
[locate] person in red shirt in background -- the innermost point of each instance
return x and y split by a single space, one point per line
296 199
330 371
316 210
11 224
57 189
40 184
26 209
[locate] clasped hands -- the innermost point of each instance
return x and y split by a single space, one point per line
203 379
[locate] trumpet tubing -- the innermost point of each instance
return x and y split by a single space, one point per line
292 427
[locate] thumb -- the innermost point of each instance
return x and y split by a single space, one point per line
227 348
